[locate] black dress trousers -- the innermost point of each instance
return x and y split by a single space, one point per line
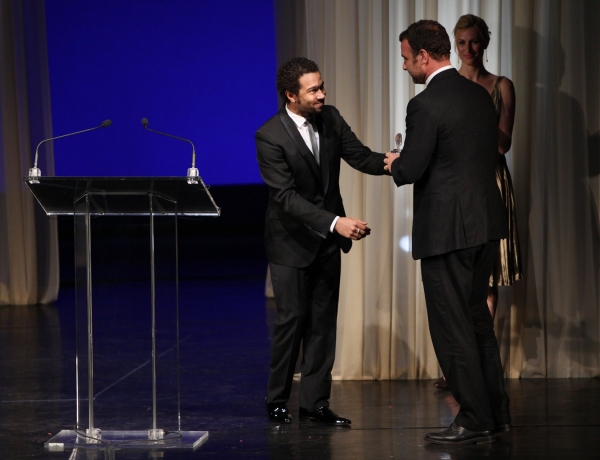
462 332
307 305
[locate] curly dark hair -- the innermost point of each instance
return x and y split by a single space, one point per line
288 75
430 36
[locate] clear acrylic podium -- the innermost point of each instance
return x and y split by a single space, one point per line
82 198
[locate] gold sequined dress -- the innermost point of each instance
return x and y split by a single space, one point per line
508 268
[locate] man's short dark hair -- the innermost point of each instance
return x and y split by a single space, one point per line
288 75
430 36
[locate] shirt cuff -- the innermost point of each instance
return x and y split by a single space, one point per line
332 228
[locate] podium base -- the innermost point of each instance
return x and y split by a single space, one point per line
70 439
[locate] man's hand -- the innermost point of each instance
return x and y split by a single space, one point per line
389 159
352 228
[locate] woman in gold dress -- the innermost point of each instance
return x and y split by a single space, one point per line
472 37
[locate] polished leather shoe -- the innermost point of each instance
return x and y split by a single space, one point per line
278 413
324 415
441 383
503 428
456 434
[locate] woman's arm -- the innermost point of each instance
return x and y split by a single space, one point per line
507 115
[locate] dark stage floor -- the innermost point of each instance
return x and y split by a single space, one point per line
224 360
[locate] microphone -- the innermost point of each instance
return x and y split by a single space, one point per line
192 173
35 172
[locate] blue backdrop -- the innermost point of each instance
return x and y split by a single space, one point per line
199 69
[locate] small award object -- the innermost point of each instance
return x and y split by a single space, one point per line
398 140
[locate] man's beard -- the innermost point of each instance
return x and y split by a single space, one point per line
419 79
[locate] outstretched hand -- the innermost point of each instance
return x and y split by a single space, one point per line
390 157
352 228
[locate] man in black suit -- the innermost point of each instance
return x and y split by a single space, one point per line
450 154
299 152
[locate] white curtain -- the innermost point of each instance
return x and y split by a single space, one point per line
28 239
547 324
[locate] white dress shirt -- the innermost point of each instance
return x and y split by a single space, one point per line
441 69
302 126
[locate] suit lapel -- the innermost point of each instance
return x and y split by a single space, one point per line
292 130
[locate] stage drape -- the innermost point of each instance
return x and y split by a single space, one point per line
548 323
29 272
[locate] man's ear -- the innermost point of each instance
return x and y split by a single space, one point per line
291 97
424 56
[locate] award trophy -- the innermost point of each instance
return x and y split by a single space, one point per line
398 140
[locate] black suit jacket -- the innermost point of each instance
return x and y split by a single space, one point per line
450 155
304 198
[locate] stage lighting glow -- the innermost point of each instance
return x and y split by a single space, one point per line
405 243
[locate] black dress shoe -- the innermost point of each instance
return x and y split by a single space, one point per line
441 383
325 415
278 413
456 434
503 428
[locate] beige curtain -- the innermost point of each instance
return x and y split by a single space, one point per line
547 324
28 239
557 63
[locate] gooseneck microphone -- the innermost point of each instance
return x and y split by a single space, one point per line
192 173
35 172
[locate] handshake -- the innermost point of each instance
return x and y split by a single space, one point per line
356 229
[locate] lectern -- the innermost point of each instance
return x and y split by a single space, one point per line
82 198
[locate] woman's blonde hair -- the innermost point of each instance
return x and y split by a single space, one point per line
467 21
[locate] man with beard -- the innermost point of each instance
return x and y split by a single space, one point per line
450 155
299 152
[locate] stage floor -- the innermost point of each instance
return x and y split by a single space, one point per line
224 358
